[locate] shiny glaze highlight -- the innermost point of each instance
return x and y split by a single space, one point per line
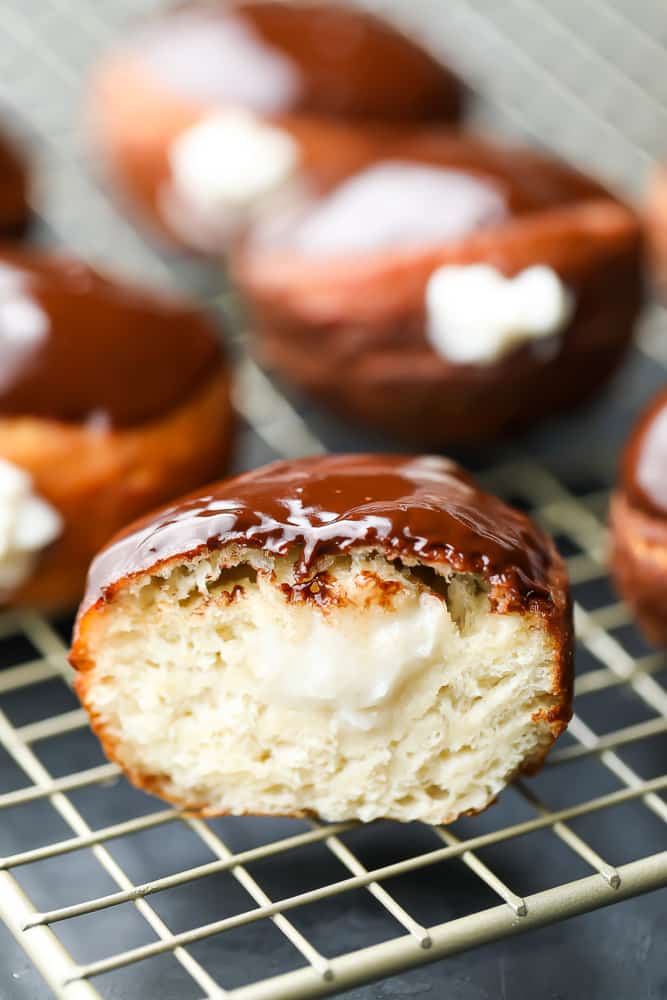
76 346
391 204
425 509
644 467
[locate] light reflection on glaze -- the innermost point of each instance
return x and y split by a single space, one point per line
214 56
392 204
407 507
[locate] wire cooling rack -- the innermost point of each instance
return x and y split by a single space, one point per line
112 895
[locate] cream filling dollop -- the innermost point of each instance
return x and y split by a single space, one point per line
28 523
475 315
226 170
358 689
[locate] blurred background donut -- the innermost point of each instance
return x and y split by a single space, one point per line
209 112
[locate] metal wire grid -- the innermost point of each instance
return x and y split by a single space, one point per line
525 93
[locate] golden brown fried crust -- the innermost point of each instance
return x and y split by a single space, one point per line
559 623
655 224
352 333
561 626
100 480
639 564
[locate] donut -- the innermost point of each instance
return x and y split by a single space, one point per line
638 522
210 113
14 188
349 637
113 399
448 292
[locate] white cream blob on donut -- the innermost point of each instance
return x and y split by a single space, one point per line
475 315
28 523
226 170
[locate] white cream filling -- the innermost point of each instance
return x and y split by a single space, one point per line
475 315
226 169
27 525
356 689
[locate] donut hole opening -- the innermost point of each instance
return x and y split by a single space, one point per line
388 690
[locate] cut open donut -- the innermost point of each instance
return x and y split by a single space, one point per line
332 669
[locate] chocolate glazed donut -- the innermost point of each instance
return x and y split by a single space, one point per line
340 288
305 69
638 521
112 400
358 636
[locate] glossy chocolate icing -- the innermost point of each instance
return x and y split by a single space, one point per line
77 346
14 209
423 508
282 57
644 468
424 188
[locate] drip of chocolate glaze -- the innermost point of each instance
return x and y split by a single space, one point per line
77 346
425 509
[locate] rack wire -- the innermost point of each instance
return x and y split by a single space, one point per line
75 836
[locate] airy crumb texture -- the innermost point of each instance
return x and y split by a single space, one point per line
376 690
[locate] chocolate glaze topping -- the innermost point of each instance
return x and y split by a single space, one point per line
425 508
391 204
644 467
424 188
14 209
279 57
77 346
